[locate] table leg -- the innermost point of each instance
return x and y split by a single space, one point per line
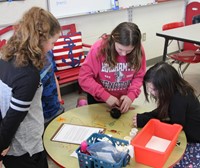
165 49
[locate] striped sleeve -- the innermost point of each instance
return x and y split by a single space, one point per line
24 87
19 105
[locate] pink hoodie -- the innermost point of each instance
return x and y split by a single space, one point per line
99 80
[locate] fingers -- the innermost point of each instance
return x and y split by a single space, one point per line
135 120
113 101
117 103
124 107
5 151
125 102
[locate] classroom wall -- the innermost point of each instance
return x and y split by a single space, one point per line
13 10
149 19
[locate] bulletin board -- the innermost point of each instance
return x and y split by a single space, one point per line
67 8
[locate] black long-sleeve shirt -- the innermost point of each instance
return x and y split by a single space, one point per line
21 115
183 110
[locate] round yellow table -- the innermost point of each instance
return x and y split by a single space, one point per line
97 115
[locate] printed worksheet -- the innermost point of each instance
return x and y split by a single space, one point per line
75 134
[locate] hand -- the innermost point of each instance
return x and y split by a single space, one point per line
135 120
125 102
5 151
1 164
62 101
113 101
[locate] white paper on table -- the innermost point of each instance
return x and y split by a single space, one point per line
158 144
76 134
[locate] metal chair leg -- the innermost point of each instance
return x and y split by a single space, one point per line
179 69
186 66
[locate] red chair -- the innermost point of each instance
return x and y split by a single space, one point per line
183 56
69 54
173 25
2 32
192 14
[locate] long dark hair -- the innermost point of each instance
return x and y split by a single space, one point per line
166 81
126 33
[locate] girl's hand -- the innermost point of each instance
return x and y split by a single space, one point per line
1 164
113 101
135 120
125 103
5 151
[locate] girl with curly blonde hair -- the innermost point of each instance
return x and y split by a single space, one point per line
21 115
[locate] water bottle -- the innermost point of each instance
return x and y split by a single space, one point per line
115 4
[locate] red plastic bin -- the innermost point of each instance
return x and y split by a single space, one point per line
151 157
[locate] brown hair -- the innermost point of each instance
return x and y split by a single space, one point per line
25 45
126 33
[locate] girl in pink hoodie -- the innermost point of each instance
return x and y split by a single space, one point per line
114 68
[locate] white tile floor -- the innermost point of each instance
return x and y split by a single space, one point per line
192 75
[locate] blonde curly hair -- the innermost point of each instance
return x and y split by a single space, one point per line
25 46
